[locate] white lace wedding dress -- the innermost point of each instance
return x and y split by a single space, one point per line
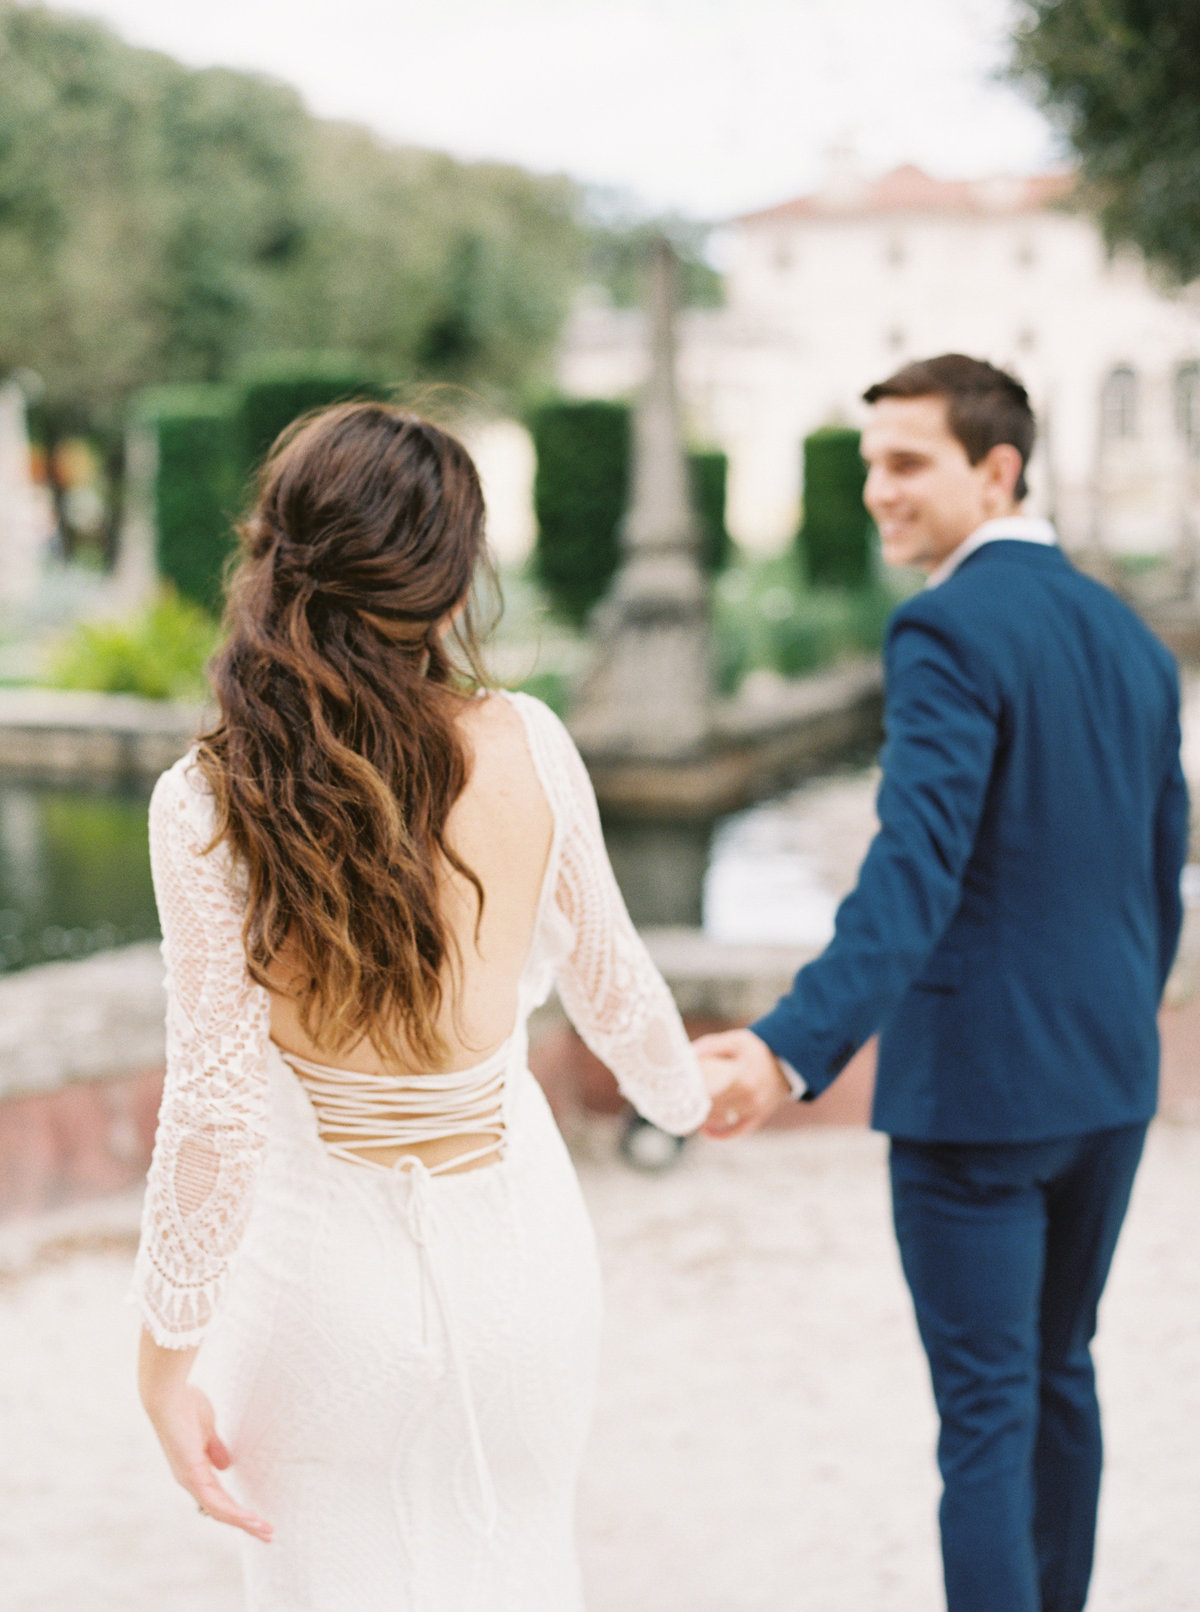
401 1360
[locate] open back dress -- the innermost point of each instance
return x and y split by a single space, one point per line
401 1357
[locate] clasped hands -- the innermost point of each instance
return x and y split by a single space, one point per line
744 1080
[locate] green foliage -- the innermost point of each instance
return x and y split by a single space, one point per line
835 535
766 618
197 485
159 224
580 493
1121 79
160 654
710 473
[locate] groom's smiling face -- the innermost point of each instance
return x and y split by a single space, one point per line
924 494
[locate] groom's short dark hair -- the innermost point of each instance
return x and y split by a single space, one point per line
984 405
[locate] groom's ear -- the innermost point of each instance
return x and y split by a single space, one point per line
1003 465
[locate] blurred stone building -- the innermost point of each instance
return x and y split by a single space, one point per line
833 290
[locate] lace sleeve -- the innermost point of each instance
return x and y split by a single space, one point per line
213 1120
608 984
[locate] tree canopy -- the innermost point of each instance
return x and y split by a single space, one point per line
1122 79
164 224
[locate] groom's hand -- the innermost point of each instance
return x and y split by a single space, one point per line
744 1080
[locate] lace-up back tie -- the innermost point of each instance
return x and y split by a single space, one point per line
411 1175
368 1110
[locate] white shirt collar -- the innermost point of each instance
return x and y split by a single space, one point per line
1015 528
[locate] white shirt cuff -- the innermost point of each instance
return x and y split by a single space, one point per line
793 1077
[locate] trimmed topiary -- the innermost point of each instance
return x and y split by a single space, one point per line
196 493
835 535
710 473
581 490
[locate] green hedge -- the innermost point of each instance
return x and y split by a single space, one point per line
580 493
197 485
835 535
710 474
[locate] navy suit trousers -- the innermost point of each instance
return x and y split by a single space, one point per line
1006 1248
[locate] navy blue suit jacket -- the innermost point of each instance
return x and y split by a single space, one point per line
1017 914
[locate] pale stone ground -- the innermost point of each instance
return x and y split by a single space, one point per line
764 1436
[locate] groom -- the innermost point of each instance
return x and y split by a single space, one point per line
1010 934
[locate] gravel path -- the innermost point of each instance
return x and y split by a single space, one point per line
764 1435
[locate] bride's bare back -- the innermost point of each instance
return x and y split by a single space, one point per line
501 826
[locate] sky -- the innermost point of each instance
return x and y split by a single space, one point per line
704 107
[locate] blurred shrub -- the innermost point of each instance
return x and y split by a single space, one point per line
766 618
580 493
196 487
160 654
835 535
710 473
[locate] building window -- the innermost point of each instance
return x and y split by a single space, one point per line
1187 407
1118 405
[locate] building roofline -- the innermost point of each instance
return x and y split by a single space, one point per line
908 190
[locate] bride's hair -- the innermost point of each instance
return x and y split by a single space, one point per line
337 757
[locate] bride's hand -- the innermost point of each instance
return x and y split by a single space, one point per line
183 1420
745 1081
715 1073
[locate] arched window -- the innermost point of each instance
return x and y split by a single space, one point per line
1187 406
1118 404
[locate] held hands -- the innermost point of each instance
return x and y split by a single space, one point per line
183 1419
744 1080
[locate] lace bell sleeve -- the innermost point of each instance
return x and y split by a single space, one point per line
607 982
212 1124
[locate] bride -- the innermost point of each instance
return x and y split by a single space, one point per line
362 1229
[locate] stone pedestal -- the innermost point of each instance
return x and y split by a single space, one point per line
649 693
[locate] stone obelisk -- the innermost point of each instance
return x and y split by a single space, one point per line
649 692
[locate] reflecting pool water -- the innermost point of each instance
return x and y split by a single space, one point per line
74 874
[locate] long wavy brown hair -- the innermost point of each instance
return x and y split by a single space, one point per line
337 755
